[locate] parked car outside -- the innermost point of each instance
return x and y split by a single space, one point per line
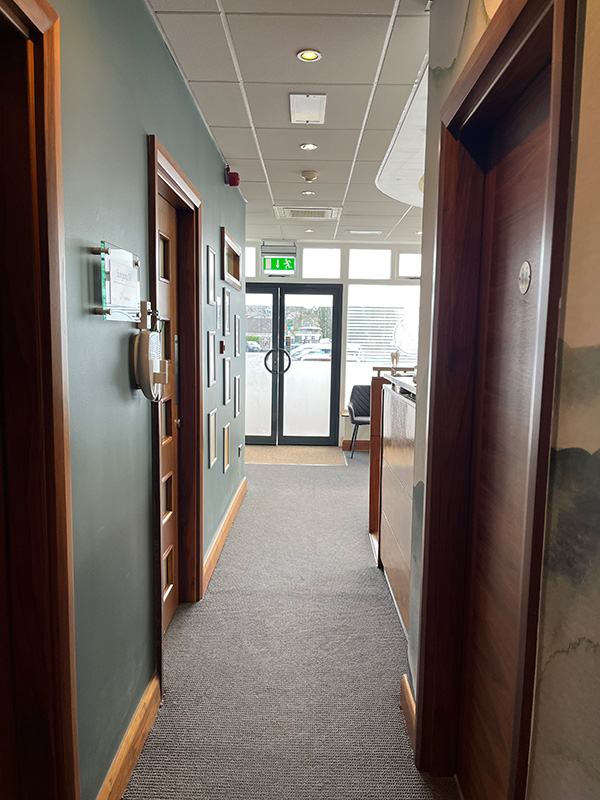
252 347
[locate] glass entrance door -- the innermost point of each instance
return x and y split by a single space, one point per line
293 349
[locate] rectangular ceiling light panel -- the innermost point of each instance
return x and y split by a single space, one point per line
307 109
313 214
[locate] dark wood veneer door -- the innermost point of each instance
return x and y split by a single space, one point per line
509 322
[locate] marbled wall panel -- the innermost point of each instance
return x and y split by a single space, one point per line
565 756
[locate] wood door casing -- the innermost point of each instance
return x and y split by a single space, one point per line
166 293
509 324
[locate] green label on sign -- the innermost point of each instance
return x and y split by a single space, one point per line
279 264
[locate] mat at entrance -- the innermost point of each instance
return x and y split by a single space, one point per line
292 454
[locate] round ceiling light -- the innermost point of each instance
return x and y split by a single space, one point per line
308 193
309 55
309 230
308 146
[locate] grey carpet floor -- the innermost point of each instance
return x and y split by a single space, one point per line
284 682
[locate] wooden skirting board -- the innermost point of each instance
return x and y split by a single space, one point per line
407 703
211 559
362 445
122 767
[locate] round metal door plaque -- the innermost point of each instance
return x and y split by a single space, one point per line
525 277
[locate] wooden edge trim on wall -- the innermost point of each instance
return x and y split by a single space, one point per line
210 562
35 13
409 711
361 445
128 753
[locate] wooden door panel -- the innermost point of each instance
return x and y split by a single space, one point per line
166 293
508 329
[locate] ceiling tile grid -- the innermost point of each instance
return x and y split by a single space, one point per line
239 58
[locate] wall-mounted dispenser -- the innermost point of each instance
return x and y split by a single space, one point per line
151 371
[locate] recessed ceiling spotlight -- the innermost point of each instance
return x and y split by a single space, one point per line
308 146
308 193
309 230
366 233
419 233
309 55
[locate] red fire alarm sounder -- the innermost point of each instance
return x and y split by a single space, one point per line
232 178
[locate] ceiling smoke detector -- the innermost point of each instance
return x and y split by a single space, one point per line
309 175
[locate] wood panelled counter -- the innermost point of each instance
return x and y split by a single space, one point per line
398 445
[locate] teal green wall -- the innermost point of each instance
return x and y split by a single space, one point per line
119 84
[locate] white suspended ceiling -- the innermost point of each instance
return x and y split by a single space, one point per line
239 58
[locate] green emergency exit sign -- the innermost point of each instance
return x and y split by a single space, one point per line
279 266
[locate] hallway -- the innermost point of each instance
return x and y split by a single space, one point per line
284 682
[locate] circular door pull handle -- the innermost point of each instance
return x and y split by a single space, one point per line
285 352
272 350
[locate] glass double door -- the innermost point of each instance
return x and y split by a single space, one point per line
293 350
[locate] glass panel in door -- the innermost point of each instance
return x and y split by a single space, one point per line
260 398
307 384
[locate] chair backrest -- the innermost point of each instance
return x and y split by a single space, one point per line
360 399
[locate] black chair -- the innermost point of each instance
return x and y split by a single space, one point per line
359 411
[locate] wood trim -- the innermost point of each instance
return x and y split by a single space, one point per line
38 534
37 15
361 446
453 362
548 29
375 450
210 562
167 179
122 767
407 704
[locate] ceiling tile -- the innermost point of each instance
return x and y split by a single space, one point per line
407 49
289 171
387 108
200 45
250 169
332 145
374 145
185 5
351 47
292 192
221 104
389 208
270 105
366 192
365 172
235 142
256 191
263 207
307 7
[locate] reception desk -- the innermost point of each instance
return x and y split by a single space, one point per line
397 458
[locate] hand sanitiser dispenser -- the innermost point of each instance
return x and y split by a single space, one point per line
151 371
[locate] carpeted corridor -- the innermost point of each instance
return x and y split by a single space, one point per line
284 682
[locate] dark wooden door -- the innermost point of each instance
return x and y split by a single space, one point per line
166 293
509 324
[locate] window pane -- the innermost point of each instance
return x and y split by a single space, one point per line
409 265
321 262
251 262
370 264
381 319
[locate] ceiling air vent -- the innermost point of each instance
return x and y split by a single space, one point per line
284 212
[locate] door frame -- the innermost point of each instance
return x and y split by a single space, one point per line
521 37
37 633
279 291
168 180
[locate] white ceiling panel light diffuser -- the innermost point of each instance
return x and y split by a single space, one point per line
313 214
307 109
